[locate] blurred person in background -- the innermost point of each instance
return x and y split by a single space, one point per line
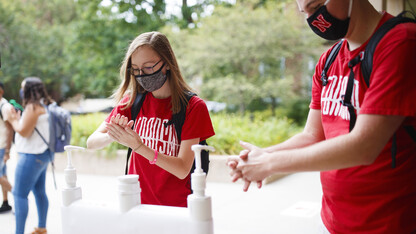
34 155
6 138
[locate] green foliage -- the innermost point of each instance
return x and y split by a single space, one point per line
31 41
259 128
249 51
298 110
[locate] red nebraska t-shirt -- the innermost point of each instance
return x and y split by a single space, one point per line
375 198
160 187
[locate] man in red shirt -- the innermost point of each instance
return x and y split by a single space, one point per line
362 193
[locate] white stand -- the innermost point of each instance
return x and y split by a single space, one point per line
131 217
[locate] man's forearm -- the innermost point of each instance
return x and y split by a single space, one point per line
298 141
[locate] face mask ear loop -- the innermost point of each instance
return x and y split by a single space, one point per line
326 2
350 9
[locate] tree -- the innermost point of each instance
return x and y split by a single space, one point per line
32 41
249 43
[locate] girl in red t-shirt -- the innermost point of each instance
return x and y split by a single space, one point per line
161 161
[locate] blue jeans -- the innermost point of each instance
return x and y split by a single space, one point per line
30 176
3 169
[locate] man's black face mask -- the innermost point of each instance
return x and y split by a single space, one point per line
327 26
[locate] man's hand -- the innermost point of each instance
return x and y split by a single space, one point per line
235 163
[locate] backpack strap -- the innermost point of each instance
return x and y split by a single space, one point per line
49 117
204 159
1 106
43 139
329 60
411 131
393 150
367 64
346 98
178 120
50 150
135 109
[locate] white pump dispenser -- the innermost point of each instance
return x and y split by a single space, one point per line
198 203
130 217
71 192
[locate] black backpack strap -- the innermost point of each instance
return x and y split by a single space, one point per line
204 159
135 109
178 120
393 151
1 106
329 60
411 131
346 98
367 64
43 139
50 156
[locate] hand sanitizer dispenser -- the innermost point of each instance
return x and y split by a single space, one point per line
71 192
199 204
130 217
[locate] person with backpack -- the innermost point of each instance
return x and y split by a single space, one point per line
161 149
359 135
34 154
6 137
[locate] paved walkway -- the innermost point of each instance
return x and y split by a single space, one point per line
289 205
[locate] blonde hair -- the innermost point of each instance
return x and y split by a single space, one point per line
160 44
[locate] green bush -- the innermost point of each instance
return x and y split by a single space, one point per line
258 128
298 110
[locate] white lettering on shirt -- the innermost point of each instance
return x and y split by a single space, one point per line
153 133
331 97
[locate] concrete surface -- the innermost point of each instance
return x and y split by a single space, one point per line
289 205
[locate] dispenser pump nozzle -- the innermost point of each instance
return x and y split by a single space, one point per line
70 172
197 149
68 149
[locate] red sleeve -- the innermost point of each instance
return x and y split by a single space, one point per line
393 79
197 122
118 110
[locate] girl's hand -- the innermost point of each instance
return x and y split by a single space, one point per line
119 129
120 120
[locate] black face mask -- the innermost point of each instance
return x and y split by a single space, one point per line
328 27
152 82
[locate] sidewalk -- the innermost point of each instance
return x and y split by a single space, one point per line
290 205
